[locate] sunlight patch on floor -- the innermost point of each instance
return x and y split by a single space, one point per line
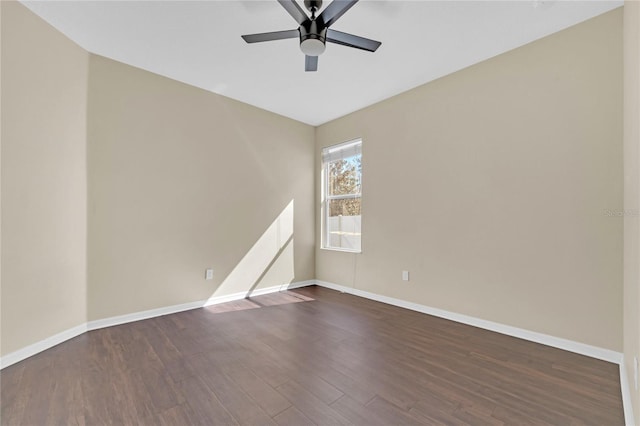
273 299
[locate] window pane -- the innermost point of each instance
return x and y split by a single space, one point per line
344 224
344 176
345 207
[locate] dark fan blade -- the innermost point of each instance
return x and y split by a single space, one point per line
294 10
311 63
352 40
335 10
276 35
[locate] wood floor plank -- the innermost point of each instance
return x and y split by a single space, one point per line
270 372
356 412
312 407
266 396
475 415
66 400
36 404
173 416
345 384
511 416
14 393
202 406
293 417
243 409
392 414
307 356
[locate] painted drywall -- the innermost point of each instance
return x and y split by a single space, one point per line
169 195
497 187
181 180
0 181
631 211
44 185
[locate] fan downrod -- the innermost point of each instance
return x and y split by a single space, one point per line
313 6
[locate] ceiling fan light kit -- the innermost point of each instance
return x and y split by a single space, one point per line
312 39
314 31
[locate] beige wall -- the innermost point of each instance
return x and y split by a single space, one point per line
632 192
180 180
0 181
44 232
491 185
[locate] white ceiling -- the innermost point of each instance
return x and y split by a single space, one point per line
198 42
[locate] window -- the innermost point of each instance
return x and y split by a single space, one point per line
342 195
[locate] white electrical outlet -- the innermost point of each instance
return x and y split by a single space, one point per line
635 371
208 274
405 275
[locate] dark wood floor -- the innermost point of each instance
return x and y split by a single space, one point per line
329 358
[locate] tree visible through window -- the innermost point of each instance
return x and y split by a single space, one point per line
342 179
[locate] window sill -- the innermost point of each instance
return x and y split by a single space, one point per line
341 250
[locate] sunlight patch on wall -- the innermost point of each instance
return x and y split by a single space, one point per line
268 263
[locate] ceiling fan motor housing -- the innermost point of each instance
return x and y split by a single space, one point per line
313 37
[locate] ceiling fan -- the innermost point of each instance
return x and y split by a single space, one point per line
314 31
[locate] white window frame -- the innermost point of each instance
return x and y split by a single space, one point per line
354 146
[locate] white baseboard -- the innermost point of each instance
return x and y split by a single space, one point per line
138 316
42 345
300 284
556 342
56 339
214 300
